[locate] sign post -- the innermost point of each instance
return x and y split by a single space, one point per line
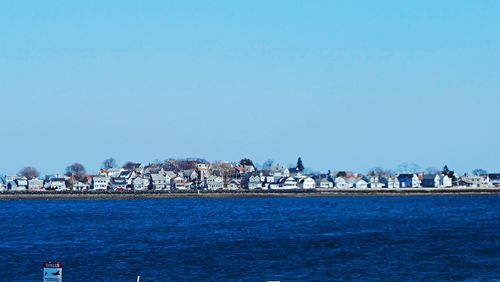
52 272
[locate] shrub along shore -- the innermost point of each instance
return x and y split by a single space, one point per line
131 195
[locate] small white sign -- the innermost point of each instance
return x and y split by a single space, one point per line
52 272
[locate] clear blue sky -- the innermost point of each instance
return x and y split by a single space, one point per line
344 84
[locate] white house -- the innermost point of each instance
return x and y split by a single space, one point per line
390 182
58 184
81 186
159 181
19 184
129 175
409 180
35 184
140 183
375 183
341 183
169 175
287 183
214 183
180 183
324 183
100 183
254 182
474 181
118 183
307 183
361 183
445 181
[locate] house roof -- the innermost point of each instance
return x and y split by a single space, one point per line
100 178
134 165
57 179
284 179
171 174
156 177
494 176
125 173
304 179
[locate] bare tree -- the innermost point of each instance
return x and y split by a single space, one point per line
76 171
247 162
109 163
130 165
29 172
170 165
187 164
268 164
379 171
341 174
409 168
479 172
222 169
432 170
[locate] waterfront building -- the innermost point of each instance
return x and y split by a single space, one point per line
307 183
18 184
324 183
375 183
35 184
254 182
100 183
431 180
361 183
474 181
494 179
57 183
446 181
408 180
81 186
390 182
341 183
180 183
140 183
159 181
118 183
287 183
214 183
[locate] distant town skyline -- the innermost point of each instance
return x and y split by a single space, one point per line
345 85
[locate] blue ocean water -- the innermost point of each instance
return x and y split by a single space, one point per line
429 238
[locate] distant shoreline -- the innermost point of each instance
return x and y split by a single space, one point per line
72 195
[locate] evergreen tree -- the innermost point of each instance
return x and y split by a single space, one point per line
300 165
446 170
247 161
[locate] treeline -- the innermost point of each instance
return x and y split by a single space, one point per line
77 171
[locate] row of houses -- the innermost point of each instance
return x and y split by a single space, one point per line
142 178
